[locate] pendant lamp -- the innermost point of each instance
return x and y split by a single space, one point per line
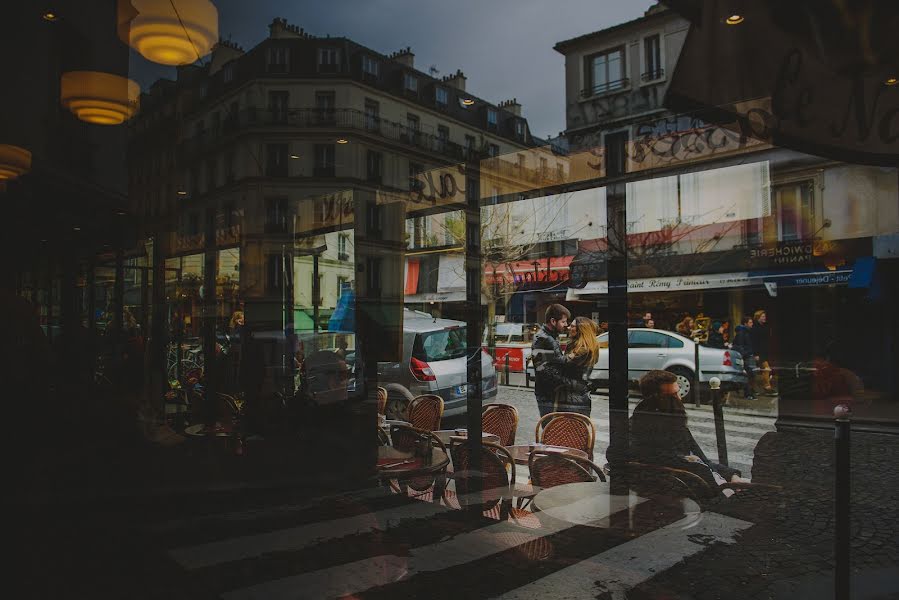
99 98
169 32
14 161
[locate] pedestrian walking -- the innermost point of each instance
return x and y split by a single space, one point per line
547 357
743 345
580 357
761 342
716 335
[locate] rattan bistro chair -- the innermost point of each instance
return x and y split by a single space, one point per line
549 469
426 412
572 430
406 438
382 401
500 420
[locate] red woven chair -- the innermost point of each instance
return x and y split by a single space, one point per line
500 420
497 471
549 469
406 438
572 430
382 401
426 412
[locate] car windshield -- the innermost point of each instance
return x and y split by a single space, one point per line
445 344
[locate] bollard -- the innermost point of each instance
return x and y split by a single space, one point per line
506 369
696 401
527 377
720 436
842 558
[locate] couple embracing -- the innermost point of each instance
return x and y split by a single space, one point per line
561 379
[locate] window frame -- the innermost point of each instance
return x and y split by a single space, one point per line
274 53
590 88
441 91
323 66
645 73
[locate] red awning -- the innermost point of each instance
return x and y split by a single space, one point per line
549 270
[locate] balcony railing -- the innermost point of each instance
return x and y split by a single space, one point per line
653 75
317 118
606 88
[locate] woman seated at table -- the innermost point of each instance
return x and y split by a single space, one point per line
659 434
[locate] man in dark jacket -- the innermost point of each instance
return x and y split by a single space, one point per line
547 357
761 339
743 345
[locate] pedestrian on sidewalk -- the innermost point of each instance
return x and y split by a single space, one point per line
580 357
546 354
743 345
761 341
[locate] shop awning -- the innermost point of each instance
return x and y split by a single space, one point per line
455 296
666 284
547 270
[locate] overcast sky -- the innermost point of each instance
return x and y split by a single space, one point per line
504 47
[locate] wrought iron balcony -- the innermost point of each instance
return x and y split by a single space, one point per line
606 88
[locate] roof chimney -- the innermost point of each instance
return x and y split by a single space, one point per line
404 57
512 106
222 53
280 29
456 80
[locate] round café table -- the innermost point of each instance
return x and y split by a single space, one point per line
445 435
522 452
597 504
200 430
397 464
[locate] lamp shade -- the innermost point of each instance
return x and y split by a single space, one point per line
14 161
169 32
100 98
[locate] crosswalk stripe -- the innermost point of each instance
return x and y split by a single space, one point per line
623 567
356 577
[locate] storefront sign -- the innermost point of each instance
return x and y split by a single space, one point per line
668 284
786 253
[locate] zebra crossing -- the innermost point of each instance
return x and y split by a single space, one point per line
743 431
376 544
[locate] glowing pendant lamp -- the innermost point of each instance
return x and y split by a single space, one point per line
14 161
99 98
169 32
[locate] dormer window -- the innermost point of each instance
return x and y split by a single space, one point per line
278 59
370 66
652 58
228 73
491 118
328 60
410 82
441 96
519 129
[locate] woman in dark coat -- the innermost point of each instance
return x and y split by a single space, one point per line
659 434
581 354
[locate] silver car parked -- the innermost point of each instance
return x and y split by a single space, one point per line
650 349
434 362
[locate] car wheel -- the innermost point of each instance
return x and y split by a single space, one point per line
684 382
